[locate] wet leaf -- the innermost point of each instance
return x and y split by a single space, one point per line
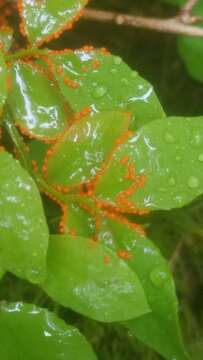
36 103
6 37
158 329
46 20
103 82
84 147
23 229
160 167
78 277
29 332
3 82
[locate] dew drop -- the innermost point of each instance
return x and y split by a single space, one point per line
171 181
158 276
117 60
200 157
178 158
33 275
134 74
124 81
193 182
169 138
99 92
196 140
114 71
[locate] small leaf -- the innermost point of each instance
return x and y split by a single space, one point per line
78 221
6 37
3 82
79 278
36 103
46 19
158 329
99 80
84 147
23 229
163 166
29 332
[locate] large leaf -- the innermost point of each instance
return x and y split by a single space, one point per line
6 37
191 49
45 20
158 329
29 332
23 229
79 277
84 147
103 82
3 82
37 106
161 167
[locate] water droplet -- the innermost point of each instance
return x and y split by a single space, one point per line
124 81
193 182
33 275
171 181
114 71
196 140
200 157
134 74
178 158
117 60
169 138
99 92
158 276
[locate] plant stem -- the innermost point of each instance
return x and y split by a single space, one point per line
175 25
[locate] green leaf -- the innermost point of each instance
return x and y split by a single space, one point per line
37 106
104 82
29 332
6 37
158 329
23 229
3 82
167 155
84 147
45 20
78 277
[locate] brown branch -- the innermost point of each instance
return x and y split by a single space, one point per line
173 25
186 13
187 8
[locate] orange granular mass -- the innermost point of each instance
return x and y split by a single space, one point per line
71 83
123 254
